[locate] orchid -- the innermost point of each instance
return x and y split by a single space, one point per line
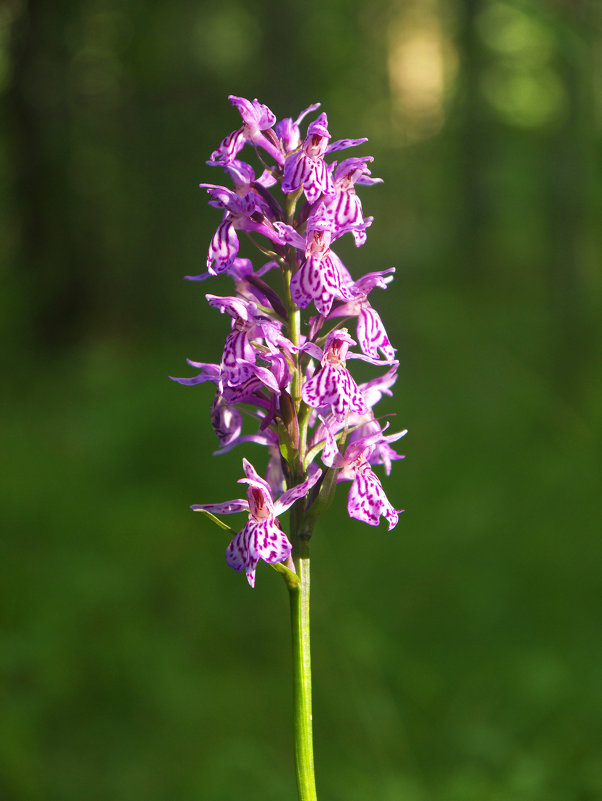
371 333
307 167
257 118
333 386
261 537
322 277
282 383
344 205
367 500
246 213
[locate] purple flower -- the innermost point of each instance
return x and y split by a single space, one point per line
261 537
344 206
382 452
239 357
322 277
367 500
371 333
364 425
226 420
262 372
288 131
332 386
307 168
257 119
247 213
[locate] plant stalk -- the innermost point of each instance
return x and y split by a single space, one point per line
302 716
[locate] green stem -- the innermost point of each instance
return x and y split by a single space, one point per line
294 333
304 754
300 534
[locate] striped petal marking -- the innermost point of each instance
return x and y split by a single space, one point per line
333 386
229 147
257 540
320 280
371 334
296 170
318 180
223 247
367 500
347 209
238 358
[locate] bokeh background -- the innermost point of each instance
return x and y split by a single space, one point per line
457 658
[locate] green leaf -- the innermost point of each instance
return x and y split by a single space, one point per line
219 523
311 455
325 495
287 447
292 579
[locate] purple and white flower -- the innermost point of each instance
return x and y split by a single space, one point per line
306 168
257 121
262 537
344 206
239 359
371 333
322 277
288 130
246 213
367 501
332 387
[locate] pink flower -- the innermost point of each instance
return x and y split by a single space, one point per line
344 206
241 213
332 386
371 333
257 119
262 536
367 500
322 276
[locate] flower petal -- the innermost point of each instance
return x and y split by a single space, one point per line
367 500
228 148
227 508
270 542
294 493
341 144
371 334
333 386
223 247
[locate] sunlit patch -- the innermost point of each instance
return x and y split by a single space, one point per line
422 62
529 99
521 85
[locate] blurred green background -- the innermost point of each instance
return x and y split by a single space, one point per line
457 658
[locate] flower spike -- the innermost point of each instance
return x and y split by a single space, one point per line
282 382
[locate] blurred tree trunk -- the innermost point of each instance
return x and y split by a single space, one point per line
474 144
46 260
573 198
